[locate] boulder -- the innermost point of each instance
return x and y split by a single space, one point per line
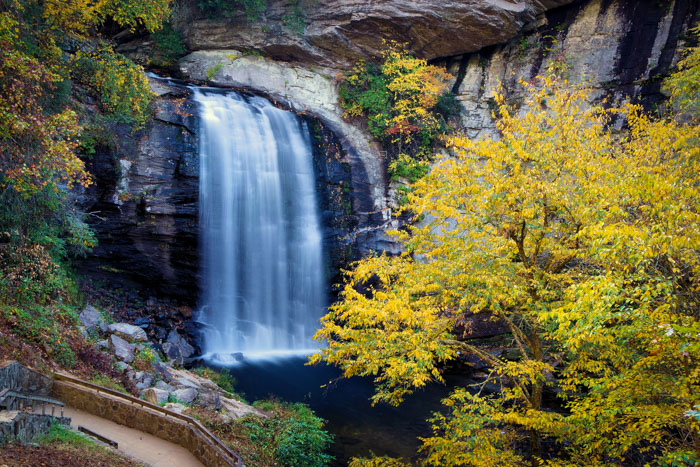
122 349
163 371
164 386
185 395
175 407
237 409
91 319
128 332
121 366
185 311
143 380
177 348
156 396
102 345
185 382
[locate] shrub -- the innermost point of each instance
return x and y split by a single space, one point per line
47 327
292 436
169 46
301 439
150 14
221 378
143 360
61 434
227 8
406 104
105 381
121 85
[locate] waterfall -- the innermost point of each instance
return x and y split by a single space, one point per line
262 269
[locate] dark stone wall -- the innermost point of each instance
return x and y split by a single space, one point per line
144 203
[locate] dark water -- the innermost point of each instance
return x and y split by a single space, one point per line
358 428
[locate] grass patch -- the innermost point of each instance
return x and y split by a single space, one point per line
62 446
106 382
222 378
61 434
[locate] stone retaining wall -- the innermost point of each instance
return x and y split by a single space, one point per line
24 427
21 379
143 419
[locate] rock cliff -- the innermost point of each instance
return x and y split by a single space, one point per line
622 49
145 202
147 188
336 33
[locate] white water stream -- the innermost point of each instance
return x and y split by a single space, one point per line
263 282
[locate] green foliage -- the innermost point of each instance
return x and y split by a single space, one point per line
211 72
144 359
295 20
43 326
151 14
526 45
294 435
406 103
405 167
61 434
365 93
95 135
105 381
291 435
228 8
402 194
121 84
169 46
48 219
79 18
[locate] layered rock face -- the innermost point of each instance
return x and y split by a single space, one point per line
144 202
621 49
146 196
315 93
147 188
336 33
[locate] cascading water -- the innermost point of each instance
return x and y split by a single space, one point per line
263 282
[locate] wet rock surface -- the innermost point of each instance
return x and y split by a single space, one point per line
144 201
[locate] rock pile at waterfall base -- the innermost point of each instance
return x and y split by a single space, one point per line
159 381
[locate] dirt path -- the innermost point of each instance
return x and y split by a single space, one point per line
137 444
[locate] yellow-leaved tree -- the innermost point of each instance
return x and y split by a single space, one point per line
585 242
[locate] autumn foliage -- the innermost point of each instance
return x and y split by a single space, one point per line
405 102
584 242
40 164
